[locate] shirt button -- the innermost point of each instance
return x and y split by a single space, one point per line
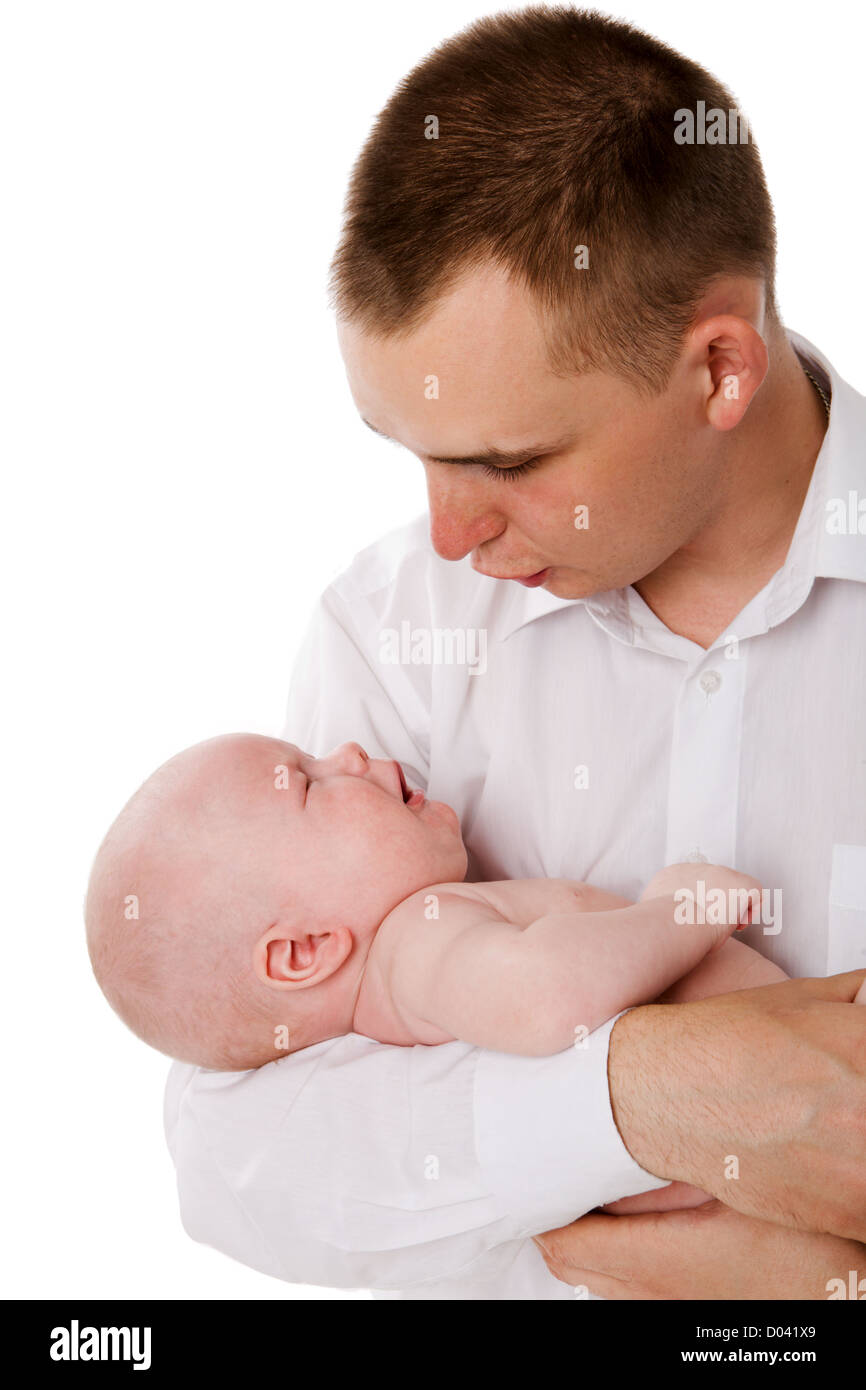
710 682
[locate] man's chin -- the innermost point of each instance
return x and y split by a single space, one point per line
565 583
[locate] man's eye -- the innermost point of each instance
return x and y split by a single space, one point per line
516 472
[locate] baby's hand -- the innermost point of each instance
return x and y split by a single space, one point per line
731 913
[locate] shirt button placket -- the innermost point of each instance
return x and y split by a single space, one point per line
705 762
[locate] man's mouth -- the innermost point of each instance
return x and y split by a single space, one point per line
531 581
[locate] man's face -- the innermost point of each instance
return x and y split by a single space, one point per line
645 470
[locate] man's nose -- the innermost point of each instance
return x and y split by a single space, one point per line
461 516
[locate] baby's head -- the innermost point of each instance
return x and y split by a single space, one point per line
233 902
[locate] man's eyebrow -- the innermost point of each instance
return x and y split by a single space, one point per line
493 458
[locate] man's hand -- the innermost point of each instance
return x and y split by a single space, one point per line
773 1078
709 1252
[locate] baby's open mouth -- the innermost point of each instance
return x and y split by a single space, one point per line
410 798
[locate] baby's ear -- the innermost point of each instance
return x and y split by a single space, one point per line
288 956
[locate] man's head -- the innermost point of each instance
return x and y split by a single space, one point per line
233 901
468 329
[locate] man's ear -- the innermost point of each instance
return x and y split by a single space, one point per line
289 956
736 360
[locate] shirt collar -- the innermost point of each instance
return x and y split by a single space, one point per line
814 552
838 555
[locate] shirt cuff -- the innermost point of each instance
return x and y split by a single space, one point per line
546 1139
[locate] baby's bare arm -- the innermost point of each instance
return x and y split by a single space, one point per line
490 982
734 966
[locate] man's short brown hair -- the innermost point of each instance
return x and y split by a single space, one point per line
555 129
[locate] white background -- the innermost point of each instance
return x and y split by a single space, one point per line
184 470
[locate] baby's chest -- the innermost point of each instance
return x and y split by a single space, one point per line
523 900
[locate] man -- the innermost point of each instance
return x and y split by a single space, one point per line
635 635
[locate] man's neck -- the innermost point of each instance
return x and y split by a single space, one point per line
701 588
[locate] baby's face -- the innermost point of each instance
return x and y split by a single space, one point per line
260 871
347 837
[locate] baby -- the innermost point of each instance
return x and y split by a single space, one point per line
251 900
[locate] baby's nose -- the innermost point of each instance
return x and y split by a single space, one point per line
352 757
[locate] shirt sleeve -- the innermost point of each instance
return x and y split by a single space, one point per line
358 1165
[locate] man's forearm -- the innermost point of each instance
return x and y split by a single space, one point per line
773 1077
637 1100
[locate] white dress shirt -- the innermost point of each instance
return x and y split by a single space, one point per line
575 738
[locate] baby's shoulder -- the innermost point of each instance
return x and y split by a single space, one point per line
516 901
454 904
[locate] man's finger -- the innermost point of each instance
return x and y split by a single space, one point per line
602 1243
590 1281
